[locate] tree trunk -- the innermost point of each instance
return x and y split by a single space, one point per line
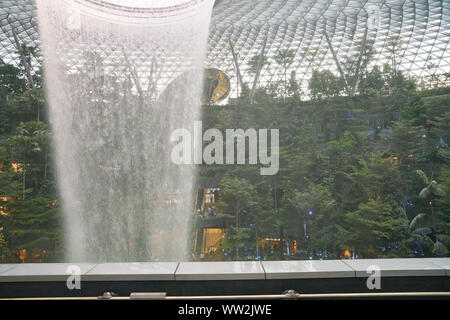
45 164
281 248
23 179
237 231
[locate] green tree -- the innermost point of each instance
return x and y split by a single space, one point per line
324 84
395 49
445 186
293 89
397 84
339 164
253 64
373 83
11 81
31 138
33 224
238 198
375 229
30 220
28 56
297 159
11 85
316 208
407 143
439 132
285 58
433 222
3 245
375 178
32 99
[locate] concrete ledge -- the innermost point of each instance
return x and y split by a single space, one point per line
41 272
233 270
307 269
239 270
442 263
223 278
6 266
132 271
414 267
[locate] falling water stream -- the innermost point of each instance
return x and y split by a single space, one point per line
108 68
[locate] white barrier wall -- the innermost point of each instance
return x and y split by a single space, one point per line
239 270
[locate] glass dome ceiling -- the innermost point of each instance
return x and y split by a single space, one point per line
303 26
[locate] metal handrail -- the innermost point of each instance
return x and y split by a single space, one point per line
287 296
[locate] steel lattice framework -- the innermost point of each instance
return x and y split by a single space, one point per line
268 26
17 24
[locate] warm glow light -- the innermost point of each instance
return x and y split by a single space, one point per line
347 254
272 239
22 255
52 204
7 199
16 166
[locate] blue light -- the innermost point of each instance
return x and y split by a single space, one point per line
310 213
349 114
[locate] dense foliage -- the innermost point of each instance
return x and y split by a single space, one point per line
360 176
29 213
364 171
